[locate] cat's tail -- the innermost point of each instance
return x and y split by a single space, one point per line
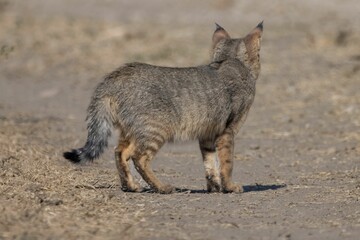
99 125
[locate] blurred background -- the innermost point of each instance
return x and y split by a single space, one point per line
51 50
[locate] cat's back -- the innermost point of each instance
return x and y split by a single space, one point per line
146 72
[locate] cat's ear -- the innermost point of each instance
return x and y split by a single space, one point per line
249 50
253 39
219 34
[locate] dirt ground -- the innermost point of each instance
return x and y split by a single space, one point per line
297 155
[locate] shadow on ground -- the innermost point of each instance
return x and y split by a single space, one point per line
247 188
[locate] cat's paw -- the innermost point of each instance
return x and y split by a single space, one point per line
233 188
131 188
166 189
213 187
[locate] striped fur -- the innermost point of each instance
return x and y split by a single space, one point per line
151 105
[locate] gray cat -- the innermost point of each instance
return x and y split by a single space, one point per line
151 105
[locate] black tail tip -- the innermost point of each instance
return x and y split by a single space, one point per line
73 156
261 25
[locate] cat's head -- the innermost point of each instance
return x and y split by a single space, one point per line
246 49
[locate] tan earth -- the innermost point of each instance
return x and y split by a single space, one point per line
298 154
